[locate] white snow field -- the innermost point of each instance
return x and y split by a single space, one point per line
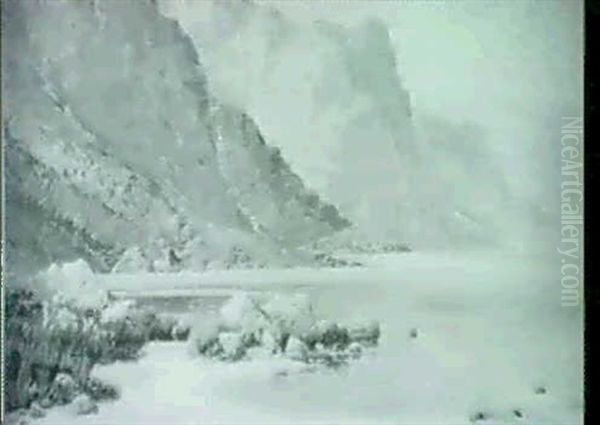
493 346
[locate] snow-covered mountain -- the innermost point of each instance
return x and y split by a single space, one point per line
328 95
117 150
331 94
185 135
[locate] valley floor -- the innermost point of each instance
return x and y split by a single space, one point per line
465 338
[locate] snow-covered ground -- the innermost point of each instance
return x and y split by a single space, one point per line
490 334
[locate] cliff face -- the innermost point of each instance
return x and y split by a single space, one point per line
117 151
328 95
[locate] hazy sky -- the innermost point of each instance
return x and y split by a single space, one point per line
514 67
449 51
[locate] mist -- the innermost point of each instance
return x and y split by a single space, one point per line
487 86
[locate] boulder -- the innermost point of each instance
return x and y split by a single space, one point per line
46 403
269 342
36 411
296 349
98 390
84 405
64 388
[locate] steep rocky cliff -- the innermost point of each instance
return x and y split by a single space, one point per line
118 152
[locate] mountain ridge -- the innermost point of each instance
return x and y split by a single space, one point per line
124 148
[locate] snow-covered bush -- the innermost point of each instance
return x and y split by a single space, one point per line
180 332
84 405
163 327
125 338
75 282
56 335
125 314
99 390
23 324
53 345
250 326
326 260
63 390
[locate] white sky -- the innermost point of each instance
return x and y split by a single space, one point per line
513 66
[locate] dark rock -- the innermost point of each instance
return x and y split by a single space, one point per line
209 347
174 259
366 335
330 359
180 332
126 339
98 390
335 337
479 416
158 328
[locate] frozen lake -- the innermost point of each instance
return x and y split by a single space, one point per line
491 333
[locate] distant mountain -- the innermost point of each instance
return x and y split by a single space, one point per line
328 95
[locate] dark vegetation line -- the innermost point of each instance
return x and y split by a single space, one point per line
51 348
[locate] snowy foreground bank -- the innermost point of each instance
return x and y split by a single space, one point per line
465 339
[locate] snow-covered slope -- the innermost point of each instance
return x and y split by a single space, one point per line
115 145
